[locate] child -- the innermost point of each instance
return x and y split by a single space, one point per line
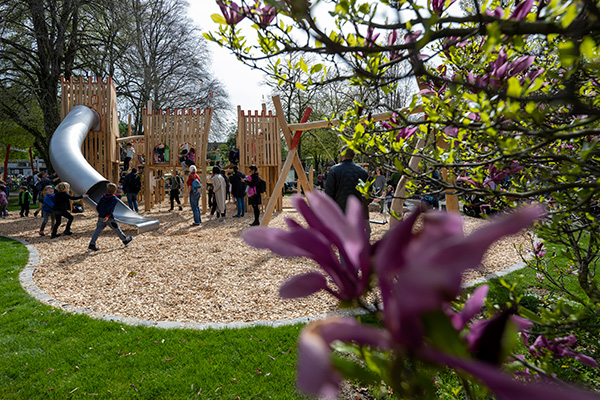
24 201
62 207
3 202
128 156
47 207
105 209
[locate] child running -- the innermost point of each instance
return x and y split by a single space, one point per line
62 207
105 209
47 207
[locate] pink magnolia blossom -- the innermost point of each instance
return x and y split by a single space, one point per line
560 347
232 13
506 388
316 375
327 225
522 9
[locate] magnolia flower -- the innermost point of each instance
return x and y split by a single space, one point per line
262 15
560 347
538 249
506 388
522 9
316 375
232 13
418 273
327 226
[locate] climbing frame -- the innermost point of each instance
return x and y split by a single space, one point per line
165 132
259 143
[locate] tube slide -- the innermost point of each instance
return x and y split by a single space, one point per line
70 165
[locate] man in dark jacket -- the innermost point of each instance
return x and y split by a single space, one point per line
238 190
342 179
132 184
105 208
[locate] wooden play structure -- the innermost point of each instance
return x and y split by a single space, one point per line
166 133
259 143
100 147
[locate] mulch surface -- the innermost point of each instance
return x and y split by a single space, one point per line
188 274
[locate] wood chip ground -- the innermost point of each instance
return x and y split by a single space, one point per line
188 274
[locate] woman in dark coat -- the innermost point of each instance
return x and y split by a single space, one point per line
238 190
254 198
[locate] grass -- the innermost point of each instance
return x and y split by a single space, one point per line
47 353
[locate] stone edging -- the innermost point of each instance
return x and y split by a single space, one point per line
26 279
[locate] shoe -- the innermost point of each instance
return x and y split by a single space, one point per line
92 247
128 240
194 224
53 236
255 223
42 233
35 214
67 233
222 221
180 208
236 216
170 210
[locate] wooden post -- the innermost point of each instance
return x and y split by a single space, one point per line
400 193
147 135
451 198
292 159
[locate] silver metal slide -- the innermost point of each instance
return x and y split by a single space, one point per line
70 165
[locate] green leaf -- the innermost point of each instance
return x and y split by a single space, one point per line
352 370
530 315
514 87
442 334
219 19
588 48
303 66
567 53
316 68
570 15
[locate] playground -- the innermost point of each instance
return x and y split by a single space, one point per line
203 274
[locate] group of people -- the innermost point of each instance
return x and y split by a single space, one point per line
218 186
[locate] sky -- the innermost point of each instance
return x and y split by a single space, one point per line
244 84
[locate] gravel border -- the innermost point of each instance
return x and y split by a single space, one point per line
26 280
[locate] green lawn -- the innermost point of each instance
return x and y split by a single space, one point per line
47 353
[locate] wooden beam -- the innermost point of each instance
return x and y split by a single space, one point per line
287 134
278 186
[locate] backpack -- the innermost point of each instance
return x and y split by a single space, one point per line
261 186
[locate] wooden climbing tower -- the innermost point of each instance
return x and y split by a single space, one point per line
100 147
259 143
166 134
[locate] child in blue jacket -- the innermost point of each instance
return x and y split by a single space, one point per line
47 207
105 208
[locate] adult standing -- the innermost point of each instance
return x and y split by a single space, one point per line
132 184
238 190
175 182
194 189
342 181
220 189
254 198
379 183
